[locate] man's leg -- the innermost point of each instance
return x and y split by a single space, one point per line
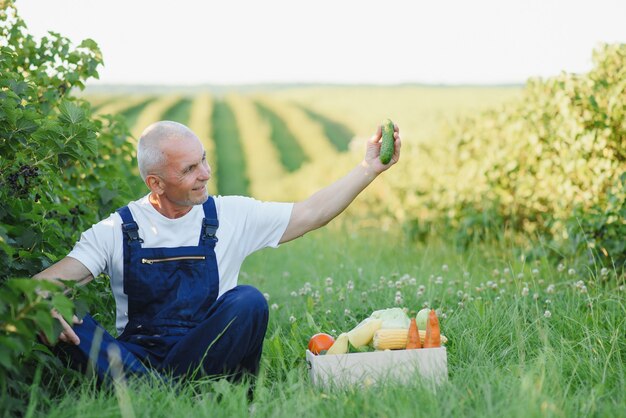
229 340
95 351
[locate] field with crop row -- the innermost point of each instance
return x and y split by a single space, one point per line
286 144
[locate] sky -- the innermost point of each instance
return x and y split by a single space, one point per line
186 42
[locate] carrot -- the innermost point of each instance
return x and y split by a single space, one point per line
433 334
413 340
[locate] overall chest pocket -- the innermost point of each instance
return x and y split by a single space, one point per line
158 281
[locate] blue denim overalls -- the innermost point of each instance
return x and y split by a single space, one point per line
175 322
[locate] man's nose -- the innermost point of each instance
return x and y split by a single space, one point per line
205 172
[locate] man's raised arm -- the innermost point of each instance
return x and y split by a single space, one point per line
326 204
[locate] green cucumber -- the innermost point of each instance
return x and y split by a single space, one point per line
386 148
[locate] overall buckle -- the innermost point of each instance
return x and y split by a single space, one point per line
209 228
131 231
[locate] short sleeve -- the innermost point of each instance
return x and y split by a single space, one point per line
259 224
96 246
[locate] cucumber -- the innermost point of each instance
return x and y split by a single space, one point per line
386 148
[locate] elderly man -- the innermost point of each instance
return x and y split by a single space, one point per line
174 256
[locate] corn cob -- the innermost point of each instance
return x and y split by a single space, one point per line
395 339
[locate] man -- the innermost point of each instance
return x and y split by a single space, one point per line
173 258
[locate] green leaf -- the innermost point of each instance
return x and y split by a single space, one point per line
71 113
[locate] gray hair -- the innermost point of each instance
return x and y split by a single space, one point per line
150 156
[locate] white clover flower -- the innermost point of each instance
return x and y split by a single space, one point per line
390 284
525 291
346 312
399 300
439 280
294 294
329 290
536 296
497 298
621 288
459 293
520 275
560 268
341 298
398 284
466 284
292 319
398 293
604 272
266 296
540 281
426 304
550 288
495 272
535 272
548 301
328 311
466 274
421 288
507 271
444 267
359 271
547 314
274 306
502 281
460 304
350 285
502 291
364 294
412 281
583 289
329 281
571 272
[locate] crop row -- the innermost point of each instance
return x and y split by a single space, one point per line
252 143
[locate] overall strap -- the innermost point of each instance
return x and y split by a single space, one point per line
130 229
130 232
209 223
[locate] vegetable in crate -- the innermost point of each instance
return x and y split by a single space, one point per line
413 339
387 147
340 346
320 343
433 334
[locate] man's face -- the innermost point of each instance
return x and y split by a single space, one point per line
185 173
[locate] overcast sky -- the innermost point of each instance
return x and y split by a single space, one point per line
236 41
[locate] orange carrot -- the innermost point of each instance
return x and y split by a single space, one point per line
433 334
413 340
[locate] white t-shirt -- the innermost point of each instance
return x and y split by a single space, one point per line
245 225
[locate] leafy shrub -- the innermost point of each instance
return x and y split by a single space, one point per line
531 164
61 170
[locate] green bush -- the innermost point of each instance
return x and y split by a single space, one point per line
61 170
555 153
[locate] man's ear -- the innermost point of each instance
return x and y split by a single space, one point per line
155 184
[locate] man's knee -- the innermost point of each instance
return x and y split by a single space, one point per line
249 299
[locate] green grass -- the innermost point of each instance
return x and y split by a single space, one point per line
338 133
132 113
179 112
231 165
506 355
291 154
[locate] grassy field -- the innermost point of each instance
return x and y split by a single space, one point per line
526 338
